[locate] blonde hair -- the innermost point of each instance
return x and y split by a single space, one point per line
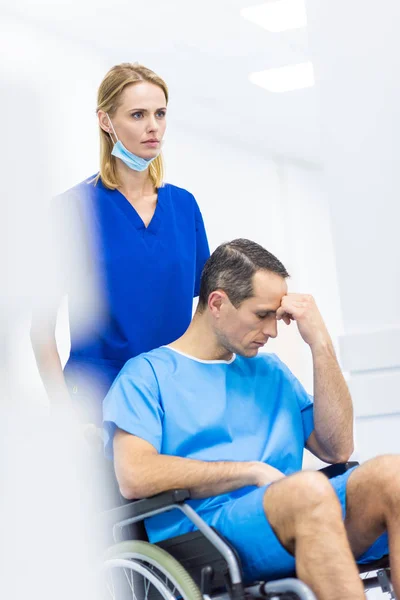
108 97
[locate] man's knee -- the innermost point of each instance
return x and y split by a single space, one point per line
301 500
313 493
384 477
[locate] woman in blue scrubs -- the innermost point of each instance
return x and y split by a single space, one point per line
139 243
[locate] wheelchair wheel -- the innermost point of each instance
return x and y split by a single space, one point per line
136 570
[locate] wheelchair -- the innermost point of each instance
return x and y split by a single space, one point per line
200 565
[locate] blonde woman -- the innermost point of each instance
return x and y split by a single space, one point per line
143 241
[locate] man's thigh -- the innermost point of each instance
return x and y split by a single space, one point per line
244 524
360 503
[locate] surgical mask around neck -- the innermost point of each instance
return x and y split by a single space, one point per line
137 163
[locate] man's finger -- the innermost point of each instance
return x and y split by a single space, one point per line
279 313
284 316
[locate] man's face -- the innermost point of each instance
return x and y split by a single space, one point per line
246 329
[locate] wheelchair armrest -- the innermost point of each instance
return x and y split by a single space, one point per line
141 508
338 469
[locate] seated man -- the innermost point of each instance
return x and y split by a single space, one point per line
209 414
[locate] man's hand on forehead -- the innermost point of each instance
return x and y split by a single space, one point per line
293 307
303 309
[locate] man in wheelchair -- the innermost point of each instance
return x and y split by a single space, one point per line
210 414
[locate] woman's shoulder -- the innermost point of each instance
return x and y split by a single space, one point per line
76 198
178 192
80 190
181 198
74 201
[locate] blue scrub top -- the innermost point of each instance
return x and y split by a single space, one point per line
246 409
145 278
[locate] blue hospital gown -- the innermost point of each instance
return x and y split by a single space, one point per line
245 409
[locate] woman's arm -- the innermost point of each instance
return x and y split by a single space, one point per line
48 361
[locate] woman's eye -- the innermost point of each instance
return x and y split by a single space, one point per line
137 115
161 114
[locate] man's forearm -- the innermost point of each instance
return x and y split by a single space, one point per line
158 473
332 439
333 409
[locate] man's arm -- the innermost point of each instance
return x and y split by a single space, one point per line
142 472
332 438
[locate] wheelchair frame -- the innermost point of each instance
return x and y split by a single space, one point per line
203 570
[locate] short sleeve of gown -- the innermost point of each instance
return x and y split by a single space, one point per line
133 405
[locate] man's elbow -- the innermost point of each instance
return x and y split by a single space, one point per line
132 491
129 493
134 486
343 455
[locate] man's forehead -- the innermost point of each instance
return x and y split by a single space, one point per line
268 289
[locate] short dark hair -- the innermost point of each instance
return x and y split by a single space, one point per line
231 268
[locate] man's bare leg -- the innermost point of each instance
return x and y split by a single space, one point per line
306 516
373 507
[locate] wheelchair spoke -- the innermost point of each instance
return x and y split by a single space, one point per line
160 575
139 581
153 570
111 588
145 572
130 583
146 588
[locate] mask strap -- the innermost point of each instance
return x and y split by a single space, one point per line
112 126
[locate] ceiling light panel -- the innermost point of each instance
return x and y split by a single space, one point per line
285 79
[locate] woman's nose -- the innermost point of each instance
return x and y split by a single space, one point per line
152 124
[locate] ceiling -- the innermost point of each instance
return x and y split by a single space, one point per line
205 51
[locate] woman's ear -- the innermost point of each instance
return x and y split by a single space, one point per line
104 121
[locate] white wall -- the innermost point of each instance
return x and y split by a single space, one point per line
360 97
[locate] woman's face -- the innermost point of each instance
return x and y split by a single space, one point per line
140 119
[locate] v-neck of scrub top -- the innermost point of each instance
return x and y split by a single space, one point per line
132 214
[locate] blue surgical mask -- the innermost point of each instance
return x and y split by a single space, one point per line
137 163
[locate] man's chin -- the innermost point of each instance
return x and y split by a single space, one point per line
250 352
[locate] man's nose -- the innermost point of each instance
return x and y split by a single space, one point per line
271 328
